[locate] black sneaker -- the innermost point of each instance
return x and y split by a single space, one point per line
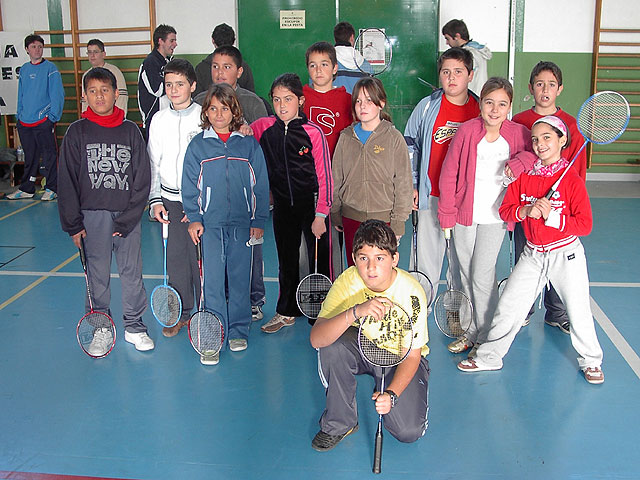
563 326
323 442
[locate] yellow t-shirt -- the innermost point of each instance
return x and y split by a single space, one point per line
349 289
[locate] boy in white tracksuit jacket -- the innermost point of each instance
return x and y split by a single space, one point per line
170 132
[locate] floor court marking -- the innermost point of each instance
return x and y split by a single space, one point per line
54 273
37 282
21 209
630 356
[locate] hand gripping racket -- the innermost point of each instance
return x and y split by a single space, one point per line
206 333
421 277
602 118
376 48
96 332
166 304
312 290
385 343
503 283
452 309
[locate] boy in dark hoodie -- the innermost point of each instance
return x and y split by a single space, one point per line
104 179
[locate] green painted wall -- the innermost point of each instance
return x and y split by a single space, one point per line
413 24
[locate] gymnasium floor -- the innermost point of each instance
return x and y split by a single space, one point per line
162 415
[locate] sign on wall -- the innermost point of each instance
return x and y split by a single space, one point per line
292 19
12 58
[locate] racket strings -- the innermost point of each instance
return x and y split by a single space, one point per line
425 283
312 291
166 305
96 334
603 117
453 313
387 342
205 332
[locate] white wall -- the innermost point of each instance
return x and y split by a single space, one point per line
549 26
193 19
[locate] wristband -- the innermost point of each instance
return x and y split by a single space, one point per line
393 396
355 317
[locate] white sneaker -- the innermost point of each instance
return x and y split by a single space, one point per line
19 195
101 343
256 313
141 340
237 344
210 359
48 195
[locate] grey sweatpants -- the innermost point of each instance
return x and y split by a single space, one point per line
182 265
99 245
566 267
338 365
477 248
432 246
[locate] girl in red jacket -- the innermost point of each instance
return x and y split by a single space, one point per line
553 253
484 151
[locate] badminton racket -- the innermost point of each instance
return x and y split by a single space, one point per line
424 82
385 343
421 277
96 332
312 290
206 333
376 48
602 118
452 309
503 283
166 304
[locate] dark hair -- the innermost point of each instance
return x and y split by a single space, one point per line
290 81
99 73
545 66
223 35
162 31
497 83
29 39
226 95
557 131
322 47
456 26
230 51
180 66
375 233
457 53
96 42
342 33
376 92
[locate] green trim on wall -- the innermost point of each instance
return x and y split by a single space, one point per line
54 12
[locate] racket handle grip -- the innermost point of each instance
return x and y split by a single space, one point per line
414 218
377 454
165 226
447 233
550 193
199 251
83 257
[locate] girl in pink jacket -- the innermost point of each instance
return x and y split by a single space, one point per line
485 153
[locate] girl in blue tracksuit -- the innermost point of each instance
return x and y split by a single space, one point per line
225 194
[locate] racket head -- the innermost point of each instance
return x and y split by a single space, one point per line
425 283
603 117
206 333
501 286
166 305
376 48
386 342
453 313
96 334
311 292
